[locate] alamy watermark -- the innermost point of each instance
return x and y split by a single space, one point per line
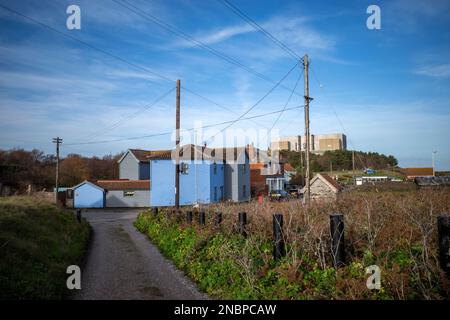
74 19
74 280
374 280
373 22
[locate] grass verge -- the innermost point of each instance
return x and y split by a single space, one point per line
38 241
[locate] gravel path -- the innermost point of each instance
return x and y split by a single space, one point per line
123 264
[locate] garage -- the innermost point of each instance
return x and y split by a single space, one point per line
88 195
124 193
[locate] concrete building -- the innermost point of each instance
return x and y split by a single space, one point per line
291 143
126 193
318 143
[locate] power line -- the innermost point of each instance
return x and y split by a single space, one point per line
190 129
136 66
131 116
85 43
337 117
173 30
258 102
133 65
215 103
285 105
259 28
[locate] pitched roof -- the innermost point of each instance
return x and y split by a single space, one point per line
228 153
288 167
432 181
141 155
193 152
331 181
123 184
328 180
93 183
417 171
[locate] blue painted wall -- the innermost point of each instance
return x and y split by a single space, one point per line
162 177
88 196
217 188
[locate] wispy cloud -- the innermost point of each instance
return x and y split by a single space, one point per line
294 32
225 34
436 71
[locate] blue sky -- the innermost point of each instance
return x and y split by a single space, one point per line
387 89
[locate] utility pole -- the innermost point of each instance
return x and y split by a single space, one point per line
433 155
301 163
353 165
177 149
58 141
307 135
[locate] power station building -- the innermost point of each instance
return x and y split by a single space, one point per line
319 143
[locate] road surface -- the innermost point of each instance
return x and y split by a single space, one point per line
123 264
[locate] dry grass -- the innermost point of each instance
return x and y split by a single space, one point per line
397 232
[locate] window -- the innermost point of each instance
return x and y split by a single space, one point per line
244 191
221 193
243 169
215 193
69 193
215 168
128 193
184 168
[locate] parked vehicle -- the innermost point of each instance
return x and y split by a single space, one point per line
294 192
278 195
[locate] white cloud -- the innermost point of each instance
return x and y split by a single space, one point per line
293 32
436 71
225 34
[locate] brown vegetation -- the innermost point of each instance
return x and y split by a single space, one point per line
20 168
396 231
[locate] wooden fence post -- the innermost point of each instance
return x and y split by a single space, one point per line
218 218
242 224
337 239
79 215
189 216
201 218
278 242
443 222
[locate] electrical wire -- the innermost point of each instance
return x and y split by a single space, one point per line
336 115
130 116
257 103
259 28
285 105
173 30
182 130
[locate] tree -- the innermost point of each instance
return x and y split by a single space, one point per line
73 170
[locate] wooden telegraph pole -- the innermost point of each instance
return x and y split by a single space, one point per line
58 141
353 165
307 135
177 149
